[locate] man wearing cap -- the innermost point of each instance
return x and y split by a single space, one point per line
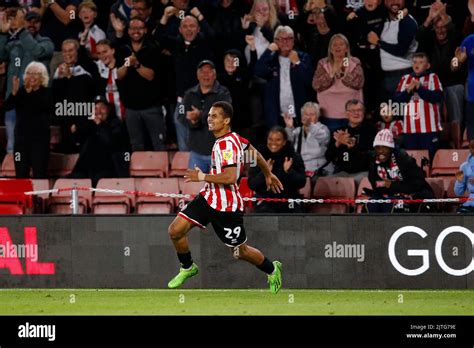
394 174
197 103
20 44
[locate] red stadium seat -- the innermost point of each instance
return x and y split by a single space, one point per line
437 185
8 166
179 164
246 191
420 156
189 188
11 209
41 199
333 188
149 163
153 204
449 185
447 162
112 203
364 183
60 164
306 190
13 198
110 208
60 203
55 138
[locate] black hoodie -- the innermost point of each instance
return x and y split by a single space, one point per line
292 181
238 86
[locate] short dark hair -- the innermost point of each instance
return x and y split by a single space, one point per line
148 3
136 18
105 42
226 107
422 55
353 102
278 129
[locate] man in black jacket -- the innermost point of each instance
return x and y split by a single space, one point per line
73 83
189 46
197 103
138 84
395 174
349 146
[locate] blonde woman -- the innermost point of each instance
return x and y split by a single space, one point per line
34 106
260 23
338 78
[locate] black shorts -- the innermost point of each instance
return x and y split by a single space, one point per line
229 226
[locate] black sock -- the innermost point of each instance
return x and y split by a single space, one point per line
185 259
266 266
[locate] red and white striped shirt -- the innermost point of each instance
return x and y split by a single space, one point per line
94 35
396 127
228 151
420 115
111 89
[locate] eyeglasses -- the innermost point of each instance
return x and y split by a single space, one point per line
353 111
285 39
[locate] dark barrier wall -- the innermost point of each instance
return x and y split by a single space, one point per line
316 252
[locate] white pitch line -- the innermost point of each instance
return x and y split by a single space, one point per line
240 290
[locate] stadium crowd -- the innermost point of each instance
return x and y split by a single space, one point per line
312 82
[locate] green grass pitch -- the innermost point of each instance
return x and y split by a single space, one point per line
234 302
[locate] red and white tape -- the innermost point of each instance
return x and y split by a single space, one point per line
258 199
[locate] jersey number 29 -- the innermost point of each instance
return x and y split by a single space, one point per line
229 233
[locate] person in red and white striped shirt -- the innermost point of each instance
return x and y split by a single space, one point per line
220 203
422 91
106 66
388 122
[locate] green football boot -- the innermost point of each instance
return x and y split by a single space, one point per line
275 279
182 276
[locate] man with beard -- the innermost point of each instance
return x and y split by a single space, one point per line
138 85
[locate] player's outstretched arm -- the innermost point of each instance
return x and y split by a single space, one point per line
227 177
273 183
